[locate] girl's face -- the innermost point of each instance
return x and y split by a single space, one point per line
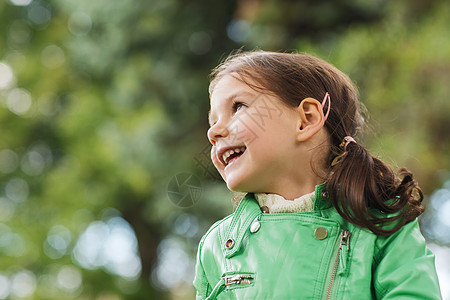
253 136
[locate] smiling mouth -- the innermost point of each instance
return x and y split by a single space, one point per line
233 154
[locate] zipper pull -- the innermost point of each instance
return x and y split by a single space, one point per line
344 248
238 279
229 280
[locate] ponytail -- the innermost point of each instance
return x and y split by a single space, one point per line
366 192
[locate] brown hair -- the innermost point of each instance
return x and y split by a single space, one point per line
363 189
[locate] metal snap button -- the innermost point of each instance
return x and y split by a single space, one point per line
229 243
321 233
265 209
255 226
325 194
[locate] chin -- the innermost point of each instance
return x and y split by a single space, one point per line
233 186
238 186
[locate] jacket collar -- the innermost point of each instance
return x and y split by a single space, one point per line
248 211
321 198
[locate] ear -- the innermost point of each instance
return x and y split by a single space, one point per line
311 118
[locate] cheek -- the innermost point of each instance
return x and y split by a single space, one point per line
253 129
243 129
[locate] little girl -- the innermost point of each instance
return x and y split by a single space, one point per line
321 218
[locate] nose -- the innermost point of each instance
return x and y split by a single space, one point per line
216 132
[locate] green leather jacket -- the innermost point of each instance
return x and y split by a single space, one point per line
312 255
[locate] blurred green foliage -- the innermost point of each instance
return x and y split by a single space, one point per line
103 102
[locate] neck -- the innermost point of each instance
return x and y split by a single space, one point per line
291 190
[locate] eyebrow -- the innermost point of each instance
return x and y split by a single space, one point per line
231 98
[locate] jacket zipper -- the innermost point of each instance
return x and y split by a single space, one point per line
227 281
238 279
341 260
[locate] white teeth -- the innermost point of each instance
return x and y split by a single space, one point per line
228 153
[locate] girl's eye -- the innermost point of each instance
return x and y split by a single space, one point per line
237 106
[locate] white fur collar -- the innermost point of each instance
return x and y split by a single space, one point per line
277 204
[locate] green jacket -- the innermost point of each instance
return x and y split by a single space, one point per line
312 255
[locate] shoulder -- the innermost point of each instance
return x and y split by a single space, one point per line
214 233
407 237
400 255
246 210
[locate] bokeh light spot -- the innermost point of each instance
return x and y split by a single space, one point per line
17 189
7 209
57 243
9 161
23 284
5 287
15 245
19 34
111 245
238 30
444 214
79 23
69 278
7 78
52 57
33 163
20 2
19 101
39 12
174 266
186 224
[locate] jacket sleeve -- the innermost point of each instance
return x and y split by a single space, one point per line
404 267
201 283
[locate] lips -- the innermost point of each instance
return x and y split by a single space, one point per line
228 154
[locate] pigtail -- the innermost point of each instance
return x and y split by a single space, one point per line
367 193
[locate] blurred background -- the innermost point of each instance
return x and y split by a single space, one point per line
106 186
